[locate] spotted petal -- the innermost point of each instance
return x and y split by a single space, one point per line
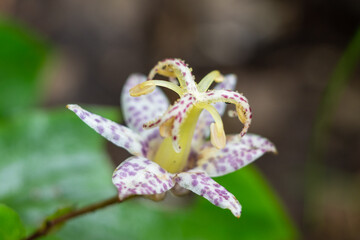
175 115
201 184
115 133
242 106
142 109
229 83
238 153
140 176
202 129
175 68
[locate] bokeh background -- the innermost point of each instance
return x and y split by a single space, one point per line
283 52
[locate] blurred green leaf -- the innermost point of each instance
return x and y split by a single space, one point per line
262 215
50 160
11 227
22 56
60 212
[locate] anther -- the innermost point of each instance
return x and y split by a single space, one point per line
218 138
141 89
165 128
241 114
219 78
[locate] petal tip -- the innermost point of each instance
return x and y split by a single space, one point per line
275 151
72 107
236 210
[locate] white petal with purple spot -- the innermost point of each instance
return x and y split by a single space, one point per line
178 112
238 153
140 176
242 105
201 184
229 83
202 129
142 109
119 135
180 69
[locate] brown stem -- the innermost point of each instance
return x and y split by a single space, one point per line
49 224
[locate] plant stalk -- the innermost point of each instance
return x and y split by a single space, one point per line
48 225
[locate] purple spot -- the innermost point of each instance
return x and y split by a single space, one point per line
100 129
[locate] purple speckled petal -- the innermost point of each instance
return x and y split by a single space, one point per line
181 71
242 105
140 176
178 113
201 184
238 153
202 130
115 133
229 83
142 109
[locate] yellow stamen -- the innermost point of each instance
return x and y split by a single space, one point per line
205 83
141 89
218 138
219 79
241 114
165 128
165 73
149 86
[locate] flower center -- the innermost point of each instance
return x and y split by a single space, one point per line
178 123
166 156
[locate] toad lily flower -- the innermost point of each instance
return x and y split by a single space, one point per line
169 143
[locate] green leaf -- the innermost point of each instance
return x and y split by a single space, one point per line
11 227
51 160
262 215
22 56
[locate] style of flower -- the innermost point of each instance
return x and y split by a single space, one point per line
171 152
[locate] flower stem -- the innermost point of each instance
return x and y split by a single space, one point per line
48 225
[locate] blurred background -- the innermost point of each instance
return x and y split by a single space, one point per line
283 52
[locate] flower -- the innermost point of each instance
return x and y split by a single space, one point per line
171 152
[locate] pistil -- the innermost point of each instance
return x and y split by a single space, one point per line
218 138
166 156
205 83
